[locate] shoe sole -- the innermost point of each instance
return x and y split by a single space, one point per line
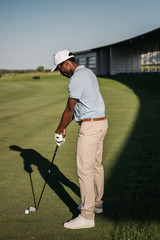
72 227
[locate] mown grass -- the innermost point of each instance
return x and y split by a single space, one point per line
30 111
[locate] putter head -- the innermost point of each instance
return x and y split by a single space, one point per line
32 209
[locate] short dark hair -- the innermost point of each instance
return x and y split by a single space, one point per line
72 59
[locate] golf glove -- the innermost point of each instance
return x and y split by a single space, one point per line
59 139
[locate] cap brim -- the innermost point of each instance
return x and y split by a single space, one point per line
54 68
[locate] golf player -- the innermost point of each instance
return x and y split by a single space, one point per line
85 104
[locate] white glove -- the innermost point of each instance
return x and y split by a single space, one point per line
59 139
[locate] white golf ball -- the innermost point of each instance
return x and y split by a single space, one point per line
26 211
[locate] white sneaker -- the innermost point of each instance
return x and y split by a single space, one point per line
79 222
96 210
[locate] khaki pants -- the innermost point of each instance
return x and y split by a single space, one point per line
89 165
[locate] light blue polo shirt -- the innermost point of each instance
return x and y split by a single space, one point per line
83 86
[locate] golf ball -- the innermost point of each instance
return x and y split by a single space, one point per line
26 211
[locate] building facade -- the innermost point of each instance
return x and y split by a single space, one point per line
121 58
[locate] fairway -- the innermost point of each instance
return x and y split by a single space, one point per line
30 110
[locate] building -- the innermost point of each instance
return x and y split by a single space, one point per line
123 57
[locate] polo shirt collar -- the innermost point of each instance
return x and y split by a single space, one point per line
79 67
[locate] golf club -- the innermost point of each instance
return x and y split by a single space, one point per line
34 209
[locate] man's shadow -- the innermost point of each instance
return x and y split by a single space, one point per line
56 178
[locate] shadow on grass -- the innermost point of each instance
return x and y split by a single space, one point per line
133 189
56 178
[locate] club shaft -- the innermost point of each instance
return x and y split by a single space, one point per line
49 170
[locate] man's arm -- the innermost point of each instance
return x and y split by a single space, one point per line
67 115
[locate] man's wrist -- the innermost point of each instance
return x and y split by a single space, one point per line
58 131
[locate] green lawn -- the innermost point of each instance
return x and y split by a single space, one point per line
30 110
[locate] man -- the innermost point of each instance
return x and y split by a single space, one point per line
86 106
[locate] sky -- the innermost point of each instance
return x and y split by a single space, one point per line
32 31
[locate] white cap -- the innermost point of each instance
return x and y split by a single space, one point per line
60 57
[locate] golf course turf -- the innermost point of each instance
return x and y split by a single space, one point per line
30 110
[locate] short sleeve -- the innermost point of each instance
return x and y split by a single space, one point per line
75 88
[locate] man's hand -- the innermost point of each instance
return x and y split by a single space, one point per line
59 139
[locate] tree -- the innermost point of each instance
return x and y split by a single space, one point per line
40 69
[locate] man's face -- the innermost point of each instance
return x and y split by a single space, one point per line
65 69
